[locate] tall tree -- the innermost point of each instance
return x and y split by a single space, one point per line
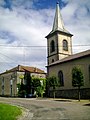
39 85
28 81
21 87
77 79
36 83
52 82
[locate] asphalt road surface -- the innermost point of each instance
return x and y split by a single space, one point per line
49 109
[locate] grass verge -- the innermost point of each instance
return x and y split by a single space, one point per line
9 112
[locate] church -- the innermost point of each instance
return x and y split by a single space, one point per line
61 60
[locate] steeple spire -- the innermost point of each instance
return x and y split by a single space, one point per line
58 21
58 25
59 39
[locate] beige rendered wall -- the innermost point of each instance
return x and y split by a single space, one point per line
1 85
67 67
54 38
60 46
37 75
52 55
59 53
7 87
19 74
15 77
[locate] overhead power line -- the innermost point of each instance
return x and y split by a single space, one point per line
41 46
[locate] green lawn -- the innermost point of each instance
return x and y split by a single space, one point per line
9 112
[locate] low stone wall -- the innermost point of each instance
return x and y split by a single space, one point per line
71 93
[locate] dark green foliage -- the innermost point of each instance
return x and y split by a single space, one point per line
36 82
21 90
52 82
77 79
25 89
39 86
28 80
35 86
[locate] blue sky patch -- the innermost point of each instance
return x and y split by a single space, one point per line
25 23
8 4
7 36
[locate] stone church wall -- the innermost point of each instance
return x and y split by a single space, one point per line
68 91
72 93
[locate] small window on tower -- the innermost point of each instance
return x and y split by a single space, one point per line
52 46
65 45
52 60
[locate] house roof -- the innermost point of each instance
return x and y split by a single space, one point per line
72 57
31 69
25 68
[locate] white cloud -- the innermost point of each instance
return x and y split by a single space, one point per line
76 15
28 27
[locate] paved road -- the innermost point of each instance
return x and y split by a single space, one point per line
49 109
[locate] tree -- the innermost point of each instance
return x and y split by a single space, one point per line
43 86
35 83
52 82
21 87
28 81
39 85
77 79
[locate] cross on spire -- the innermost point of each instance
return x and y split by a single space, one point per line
57 1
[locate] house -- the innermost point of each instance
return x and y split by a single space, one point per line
12 77
61 60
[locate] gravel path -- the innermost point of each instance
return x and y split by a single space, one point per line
49 109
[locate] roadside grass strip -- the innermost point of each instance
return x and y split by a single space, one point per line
9 112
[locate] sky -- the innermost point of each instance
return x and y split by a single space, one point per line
25 23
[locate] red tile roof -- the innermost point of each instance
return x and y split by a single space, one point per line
25 68
30 69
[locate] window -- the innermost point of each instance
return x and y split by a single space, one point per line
89 72
52 46
3 81
11 85
65 45
61 79
52 60
3 86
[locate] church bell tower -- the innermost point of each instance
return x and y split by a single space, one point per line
59 40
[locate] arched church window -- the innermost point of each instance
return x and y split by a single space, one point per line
89 72
3 86
61 78
65 45
52 46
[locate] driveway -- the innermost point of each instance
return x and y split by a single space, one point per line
49 109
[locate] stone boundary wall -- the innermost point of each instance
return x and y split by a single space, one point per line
71 93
